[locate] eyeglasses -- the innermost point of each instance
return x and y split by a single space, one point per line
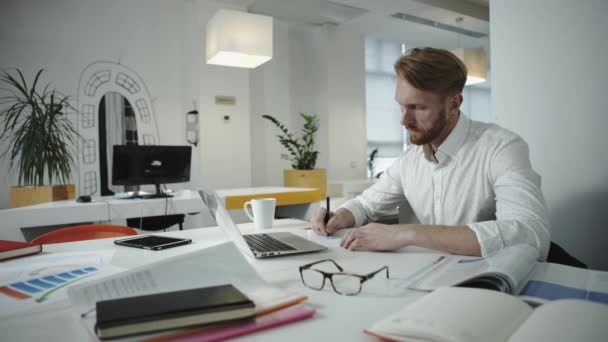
343 283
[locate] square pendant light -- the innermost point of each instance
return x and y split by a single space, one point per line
476 62
239 39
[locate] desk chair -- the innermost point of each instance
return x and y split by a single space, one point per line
84 232
558 255
156 222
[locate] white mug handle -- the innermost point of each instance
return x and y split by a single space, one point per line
246 209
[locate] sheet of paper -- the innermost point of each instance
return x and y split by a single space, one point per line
39 283
329 241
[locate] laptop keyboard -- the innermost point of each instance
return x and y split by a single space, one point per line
265 243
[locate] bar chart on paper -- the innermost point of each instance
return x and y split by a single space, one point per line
40 281
47 282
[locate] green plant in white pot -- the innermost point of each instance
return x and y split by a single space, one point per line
302 155
39 140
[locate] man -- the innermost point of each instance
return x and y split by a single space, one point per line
470 184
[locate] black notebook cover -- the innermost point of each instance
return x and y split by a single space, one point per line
161 311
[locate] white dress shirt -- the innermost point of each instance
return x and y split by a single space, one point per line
480 177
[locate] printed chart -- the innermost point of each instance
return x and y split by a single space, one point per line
39 282
41 288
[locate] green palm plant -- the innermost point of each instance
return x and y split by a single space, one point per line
302 153
38 136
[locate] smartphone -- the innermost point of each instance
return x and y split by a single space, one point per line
152 242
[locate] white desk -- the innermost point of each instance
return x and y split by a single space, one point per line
338 318
291 202
100 209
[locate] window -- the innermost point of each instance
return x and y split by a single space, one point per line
383 115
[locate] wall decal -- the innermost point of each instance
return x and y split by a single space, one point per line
96 80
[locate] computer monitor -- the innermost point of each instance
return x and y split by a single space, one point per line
151 164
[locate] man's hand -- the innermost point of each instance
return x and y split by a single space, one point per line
377 237
339 220
381 237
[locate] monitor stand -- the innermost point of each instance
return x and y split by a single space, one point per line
130 195
158 194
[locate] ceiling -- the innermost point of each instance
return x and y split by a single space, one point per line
374 19
484 3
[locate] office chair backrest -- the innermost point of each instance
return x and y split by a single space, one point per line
84 232
558 255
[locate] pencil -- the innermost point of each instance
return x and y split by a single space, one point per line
328 209
413 278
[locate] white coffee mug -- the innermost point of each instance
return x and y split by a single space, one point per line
263 212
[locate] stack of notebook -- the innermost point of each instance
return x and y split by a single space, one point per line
195 291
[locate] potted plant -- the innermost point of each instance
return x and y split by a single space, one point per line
39 140
302 155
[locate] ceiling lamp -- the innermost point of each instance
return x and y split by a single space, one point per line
239 39
475 60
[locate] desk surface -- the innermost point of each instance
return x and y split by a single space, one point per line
340 318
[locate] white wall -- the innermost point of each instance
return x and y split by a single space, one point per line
315 70
549 75
308 91
477 103
270 95
163 41
346 103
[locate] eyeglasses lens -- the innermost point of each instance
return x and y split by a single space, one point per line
312 279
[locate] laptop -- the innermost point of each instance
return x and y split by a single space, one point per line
259 245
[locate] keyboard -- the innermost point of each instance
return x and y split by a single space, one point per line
265 243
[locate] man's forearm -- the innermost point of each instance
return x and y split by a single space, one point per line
452 239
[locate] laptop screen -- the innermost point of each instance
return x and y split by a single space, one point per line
223 219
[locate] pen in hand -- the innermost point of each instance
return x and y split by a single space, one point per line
327 212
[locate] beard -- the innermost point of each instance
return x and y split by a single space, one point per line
423 137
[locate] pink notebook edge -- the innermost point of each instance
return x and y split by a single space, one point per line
271 320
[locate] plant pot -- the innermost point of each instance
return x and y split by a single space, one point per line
22 196
316 178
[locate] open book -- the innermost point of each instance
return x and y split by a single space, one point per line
477 315
514 270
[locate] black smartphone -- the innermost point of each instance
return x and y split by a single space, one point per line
152 242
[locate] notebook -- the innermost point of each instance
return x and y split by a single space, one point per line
259 245
15 249
169 310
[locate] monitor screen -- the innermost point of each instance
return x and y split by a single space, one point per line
150 164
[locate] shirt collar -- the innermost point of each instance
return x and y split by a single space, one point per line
452 143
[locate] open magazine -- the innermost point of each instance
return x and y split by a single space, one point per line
514 270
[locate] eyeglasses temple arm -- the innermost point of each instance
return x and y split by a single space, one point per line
371 275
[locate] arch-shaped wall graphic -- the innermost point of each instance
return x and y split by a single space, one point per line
97 79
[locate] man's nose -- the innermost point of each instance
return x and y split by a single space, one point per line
406 118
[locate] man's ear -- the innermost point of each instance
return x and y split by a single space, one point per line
454 103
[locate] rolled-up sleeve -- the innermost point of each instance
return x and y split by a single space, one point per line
382 197
521 211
